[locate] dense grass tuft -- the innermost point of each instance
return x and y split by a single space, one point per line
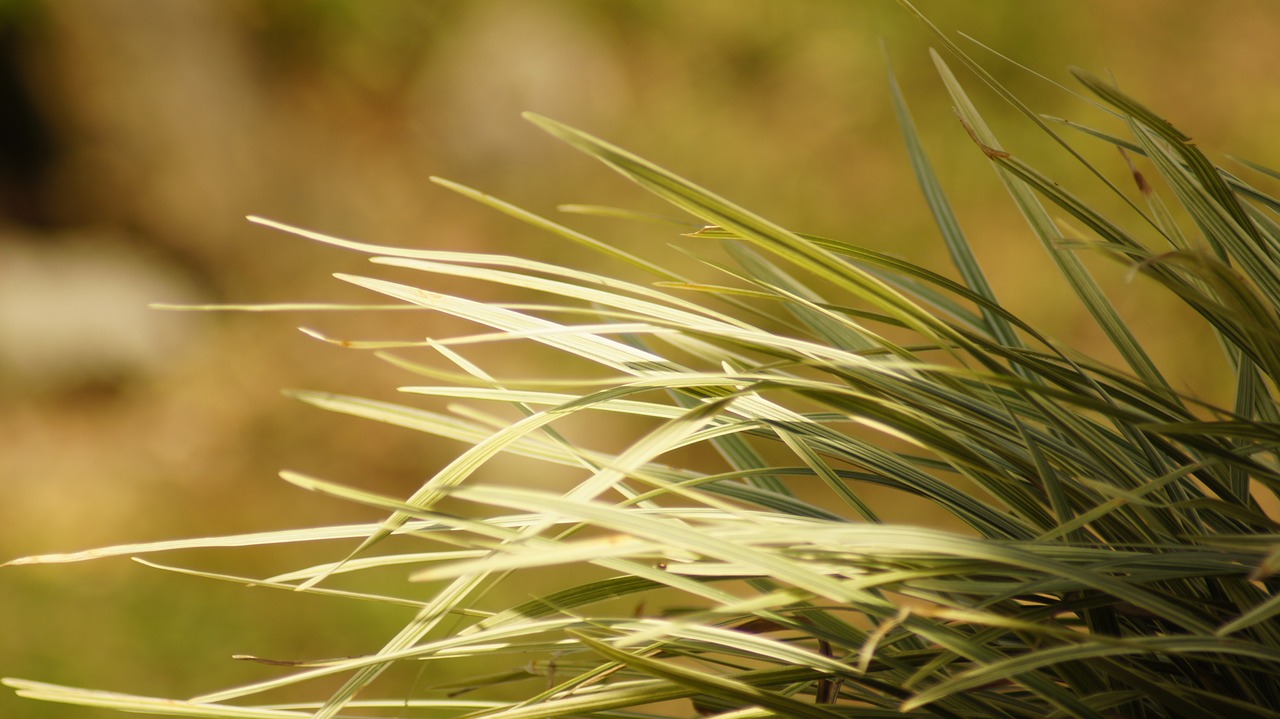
1112 552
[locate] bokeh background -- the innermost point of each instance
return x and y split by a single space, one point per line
137 135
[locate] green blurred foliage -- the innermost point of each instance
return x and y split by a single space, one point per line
169 123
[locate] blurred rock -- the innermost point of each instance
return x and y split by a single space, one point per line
74 314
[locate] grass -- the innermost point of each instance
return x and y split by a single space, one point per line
1115 556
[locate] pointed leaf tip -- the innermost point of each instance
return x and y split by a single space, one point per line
554 127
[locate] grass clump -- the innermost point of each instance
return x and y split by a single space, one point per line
1116 559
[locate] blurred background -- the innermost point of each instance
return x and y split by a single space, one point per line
137 135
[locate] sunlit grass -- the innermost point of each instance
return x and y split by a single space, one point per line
1116 558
